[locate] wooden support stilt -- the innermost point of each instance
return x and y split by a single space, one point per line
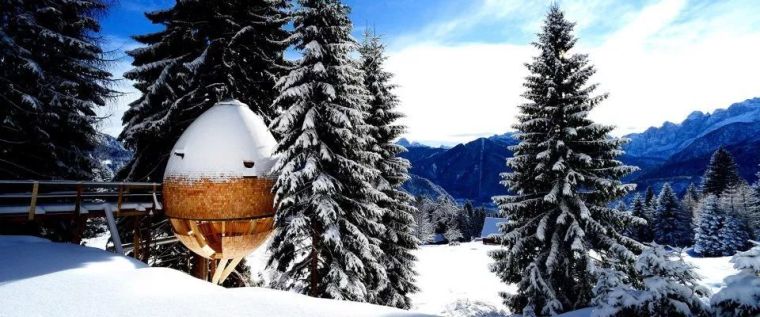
112 228
229 269
220 268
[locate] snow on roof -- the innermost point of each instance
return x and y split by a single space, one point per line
220 142
42 278
490 226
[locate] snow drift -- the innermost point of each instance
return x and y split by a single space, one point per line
41 278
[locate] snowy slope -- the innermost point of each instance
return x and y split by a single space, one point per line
455 281
41 278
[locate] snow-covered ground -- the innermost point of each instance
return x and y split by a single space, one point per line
41 278
455 280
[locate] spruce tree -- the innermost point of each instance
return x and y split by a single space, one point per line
690 201
564 175
52 80
709 224
398 240
208 51
741 296
720 174
672 224
327 226
741 202
650 198
740 208
641 232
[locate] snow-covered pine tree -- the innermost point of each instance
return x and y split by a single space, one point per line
325 241
398 240
742 201
740 211
709 224
52 79
424 228
208 51
564 175
650 198
721 173
672 224
741 296
641 232
690 201
670 288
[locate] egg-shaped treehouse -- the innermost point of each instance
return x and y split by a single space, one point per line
217 186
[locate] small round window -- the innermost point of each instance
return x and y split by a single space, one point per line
248 164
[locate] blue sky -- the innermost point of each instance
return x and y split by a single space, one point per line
459 64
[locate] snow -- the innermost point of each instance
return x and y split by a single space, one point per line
42 278
712 270
217 143
454 280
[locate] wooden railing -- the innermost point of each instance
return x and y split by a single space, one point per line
32 198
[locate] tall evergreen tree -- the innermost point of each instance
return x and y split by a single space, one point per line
690 201
52 79
738 205
706 239
672 224
398 240
325 241
208 51
742 202
564 174
649 197
641 232
721 173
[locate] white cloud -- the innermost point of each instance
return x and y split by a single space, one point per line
663 61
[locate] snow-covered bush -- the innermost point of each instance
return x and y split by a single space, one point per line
741 296
453 235
669 288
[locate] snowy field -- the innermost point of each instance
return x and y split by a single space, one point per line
41 278
455 280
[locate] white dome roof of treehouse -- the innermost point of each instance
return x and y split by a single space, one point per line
226 141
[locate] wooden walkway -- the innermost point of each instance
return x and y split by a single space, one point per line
24 201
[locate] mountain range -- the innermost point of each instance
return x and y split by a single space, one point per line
675 153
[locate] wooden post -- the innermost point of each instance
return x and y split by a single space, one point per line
33 203
200 267
119 199
79 221
136 238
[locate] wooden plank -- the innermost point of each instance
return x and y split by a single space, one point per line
33 203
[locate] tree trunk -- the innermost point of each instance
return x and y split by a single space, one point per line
314 275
